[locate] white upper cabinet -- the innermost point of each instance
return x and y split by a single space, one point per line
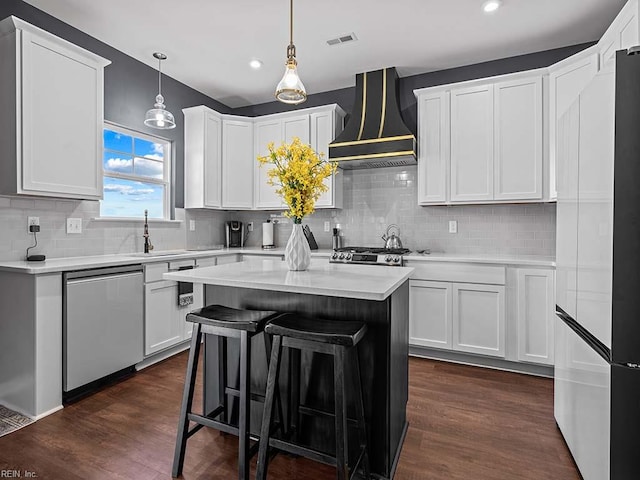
482 141
221 166
325 126
434 145
202 158
266 131
518 139
51 93
622 34
218 160
317 127
238 163
472 143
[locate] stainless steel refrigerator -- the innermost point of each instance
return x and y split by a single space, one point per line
597 355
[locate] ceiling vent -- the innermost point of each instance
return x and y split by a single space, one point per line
349 37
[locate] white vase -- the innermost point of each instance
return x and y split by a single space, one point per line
297 253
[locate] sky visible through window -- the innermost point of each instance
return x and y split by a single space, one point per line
141 160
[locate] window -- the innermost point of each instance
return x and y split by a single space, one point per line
136 174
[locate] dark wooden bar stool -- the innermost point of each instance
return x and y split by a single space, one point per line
336 338
225 322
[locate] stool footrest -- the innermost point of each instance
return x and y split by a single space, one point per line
210 422
256 397
322 413
302 451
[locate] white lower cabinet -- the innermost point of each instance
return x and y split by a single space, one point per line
164 319
478 319
430 314
486 310
535 315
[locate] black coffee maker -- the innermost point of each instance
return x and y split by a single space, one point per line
234 234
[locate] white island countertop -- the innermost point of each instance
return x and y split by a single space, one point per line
365 282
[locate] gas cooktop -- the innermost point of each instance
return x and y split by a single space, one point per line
369 256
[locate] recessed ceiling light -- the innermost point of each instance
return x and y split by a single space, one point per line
255 64
491 6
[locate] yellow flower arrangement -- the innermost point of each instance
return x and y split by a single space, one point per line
298 173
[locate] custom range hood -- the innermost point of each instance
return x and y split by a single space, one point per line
375 136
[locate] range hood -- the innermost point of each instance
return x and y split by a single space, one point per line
375 135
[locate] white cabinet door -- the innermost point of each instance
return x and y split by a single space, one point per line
212 161
434 148
567 209
324 128
238 164
472 144
202 158
565 84
478 319
518 139
536 314
430 314
298 126
62 120
163 325
265 194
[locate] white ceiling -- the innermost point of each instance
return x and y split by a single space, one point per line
210 42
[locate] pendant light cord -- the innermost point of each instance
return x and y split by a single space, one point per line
291 23
159 76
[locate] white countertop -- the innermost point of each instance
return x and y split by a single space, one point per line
524 260
366 282
65 264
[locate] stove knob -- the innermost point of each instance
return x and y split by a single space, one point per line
396 259
348 256
334 256
341 256
388 258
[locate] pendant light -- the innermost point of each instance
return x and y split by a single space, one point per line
159 116
290 89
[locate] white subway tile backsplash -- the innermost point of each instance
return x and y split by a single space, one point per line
373 199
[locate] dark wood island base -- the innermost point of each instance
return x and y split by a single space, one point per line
383 358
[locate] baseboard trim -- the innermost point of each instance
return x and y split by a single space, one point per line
163 355
481 361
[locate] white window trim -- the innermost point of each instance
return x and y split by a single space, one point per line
166 180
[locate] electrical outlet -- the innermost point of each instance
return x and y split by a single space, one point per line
192 225
74 225
327 226
250 226
32 221
453 226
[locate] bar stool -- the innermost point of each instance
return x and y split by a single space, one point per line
225 322
336 338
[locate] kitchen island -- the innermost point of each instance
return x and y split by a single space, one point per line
375 295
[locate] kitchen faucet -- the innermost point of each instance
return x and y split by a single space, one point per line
147 242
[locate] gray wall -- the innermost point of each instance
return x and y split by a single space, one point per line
130 85
345 97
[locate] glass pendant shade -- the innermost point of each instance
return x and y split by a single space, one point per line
159 117
290 89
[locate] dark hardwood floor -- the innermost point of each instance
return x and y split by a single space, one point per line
465 423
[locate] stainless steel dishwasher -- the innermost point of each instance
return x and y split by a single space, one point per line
103 324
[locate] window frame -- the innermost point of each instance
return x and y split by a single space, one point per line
166 171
